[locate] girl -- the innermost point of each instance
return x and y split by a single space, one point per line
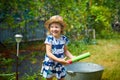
54 62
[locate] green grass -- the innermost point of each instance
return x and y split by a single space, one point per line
107 54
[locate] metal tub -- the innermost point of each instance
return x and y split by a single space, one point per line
84 71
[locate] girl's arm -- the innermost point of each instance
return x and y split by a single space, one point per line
68 53
50 55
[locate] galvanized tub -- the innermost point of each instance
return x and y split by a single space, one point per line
84 71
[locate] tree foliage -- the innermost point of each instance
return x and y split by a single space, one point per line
79 14
19 11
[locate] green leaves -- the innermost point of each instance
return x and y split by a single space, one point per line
80 14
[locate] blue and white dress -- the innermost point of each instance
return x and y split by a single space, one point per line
50 67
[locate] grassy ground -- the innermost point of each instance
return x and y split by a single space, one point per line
107 54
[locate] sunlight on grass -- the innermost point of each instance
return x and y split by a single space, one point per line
107 54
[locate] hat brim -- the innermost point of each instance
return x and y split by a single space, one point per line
47 23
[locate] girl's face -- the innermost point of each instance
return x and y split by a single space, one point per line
55 29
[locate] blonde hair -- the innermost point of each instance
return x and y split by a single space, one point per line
62 28
55 19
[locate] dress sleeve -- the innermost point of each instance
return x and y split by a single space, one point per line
66 40
48 40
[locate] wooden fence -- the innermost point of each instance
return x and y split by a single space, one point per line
29 33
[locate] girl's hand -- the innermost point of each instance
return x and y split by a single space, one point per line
62 61
73 57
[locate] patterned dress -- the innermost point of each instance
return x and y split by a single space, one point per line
50 67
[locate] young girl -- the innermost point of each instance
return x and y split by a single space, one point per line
56 49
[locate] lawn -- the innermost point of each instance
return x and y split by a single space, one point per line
107 54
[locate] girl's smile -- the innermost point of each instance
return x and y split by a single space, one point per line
55 29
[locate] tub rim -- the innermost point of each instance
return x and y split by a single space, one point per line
100 70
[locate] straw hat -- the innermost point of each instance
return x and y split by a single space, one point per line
53 19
